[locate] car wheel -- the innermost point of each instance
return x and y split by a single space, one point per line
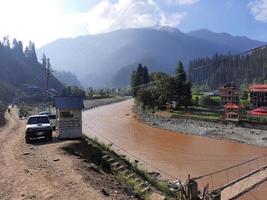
27 139
50 136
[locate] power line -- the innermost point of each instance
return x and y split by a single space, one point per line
231 167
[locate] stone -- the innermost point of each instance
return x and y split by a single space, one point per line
105 192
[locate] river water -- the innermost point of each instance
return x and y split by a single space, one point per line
173 155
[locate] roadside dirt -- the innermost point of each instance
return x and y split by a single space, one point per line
45 171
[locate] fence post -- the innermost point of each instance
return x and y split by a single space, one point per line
193 190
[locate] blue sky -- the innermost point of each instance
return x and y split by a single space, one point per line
232 16
46 20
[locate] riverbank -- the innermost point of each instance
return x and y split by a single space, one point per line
93 103
209 129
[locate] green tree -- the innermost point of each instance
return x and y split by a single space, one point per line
44 60
73 91
180 72
134 83
30 52
145 75
145 98
139 77
90 92
187 99
182 93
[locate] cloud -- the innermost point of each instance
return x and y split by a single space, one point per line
43 21
182 2
39 21
107 16
258 8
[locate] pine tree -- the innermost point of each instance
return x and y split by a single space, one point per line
182 93
30 52
20 48
133 83
139 75
44 60
145 75
6 41
180 72
17 47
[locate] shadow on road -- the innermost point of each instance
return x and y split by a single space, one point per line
44 141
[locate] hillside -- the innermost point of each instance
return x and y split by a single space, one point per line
67 78
106 60
240 70
20 69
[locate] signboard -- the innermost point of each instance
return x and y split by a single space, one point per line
70 120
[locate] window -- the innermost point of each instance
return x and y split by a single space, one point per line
66 114
38 120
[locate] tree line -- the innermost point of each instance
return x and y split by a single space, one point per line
225 68
163 88
17 47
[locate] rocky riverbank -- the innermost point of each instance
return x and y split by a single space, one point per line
203 128
93 103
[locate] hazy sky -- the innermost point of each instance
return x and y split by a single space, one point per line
46 20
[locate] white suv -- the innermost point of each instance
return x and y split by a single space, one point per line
38 126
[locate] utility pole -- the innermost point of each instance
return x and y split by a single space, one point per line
47 69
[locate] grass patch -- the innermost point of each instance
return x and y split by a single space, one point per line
161 186
129 182
199 113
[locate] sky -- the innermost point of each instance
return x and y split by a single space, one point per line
44 21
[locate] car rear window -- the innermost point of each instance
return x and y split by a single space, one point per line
38 120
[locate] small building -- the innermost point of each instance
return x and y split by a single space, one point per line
231 111
229 93
69 116
258 95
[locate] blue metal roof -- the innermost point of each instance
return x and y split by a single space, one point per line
69 102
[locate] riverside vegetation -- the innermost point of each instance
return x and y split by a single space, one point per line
163 90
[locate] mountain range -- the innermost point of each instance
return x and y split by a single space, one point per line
108 59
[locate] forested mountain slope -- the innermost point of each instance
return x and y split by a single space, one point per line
228 68
20 69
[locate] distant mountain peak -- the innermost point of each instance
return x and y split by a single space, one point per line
167 29
207 33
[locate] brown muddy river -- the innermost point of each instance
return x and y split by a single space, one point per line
174 155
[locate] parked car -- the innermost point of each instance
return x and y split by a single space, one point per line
52 118
38 126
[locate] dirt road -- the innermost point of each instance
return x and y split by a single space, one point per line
44 170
